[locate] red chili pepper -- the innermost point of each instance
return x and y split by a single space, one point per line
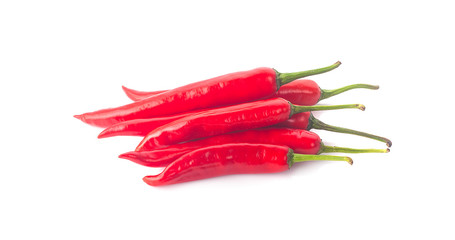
301 141
224 90
228 159
222 120
301 92
304 120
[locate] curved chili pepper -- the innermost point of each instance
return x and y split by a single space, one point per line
301 92
221 120
301 141
224 90
304 120
214 161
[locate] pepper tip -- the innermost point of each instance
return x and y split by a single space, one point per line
103 134
78 117
150 181
145 180
127 156
349 160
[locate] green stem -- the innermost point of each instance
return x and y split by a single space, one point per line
317 124
284 78
330 93
330 149
305 158
298 108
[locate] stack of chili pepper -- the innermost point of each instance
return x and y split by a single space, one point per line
255 121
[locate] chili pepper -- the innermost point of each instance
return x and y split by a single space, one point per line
304 120
301 141
224 90
234 158
221 120
302 92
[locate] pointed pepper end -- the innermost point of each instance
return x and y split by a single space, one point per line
145 179
150 180
104 134
128 155
125 88
141 146
349 160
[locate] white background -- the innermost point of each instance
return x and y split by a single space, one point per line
60 58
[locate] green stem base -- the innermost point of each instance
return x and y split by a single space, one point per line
298 108
306 158
284 78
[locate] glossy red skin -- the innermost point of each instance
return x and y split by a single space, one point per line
301 141
298 121
219 160
224 90
136 127
139 95
218 121
301 92
141 127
